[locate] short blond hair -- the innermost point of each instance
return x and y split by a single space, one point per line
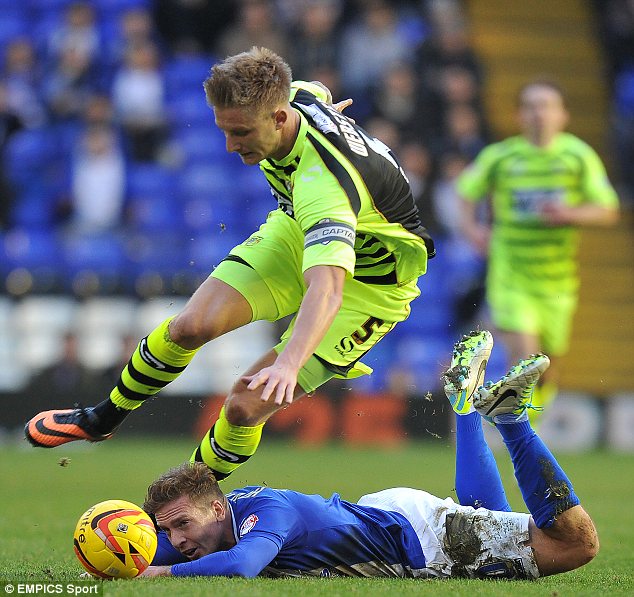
258 79
192 479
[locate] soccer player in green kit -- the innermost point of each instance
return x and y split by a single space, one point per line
343 252
543 185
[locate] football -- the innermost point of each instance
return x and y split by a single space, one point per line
115 539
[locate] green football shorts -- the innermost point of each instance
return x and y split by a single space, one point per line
267 270
549 317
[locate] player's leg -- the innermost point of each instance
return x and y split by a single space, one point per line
556 326
236 434
564 536
214 309
478 481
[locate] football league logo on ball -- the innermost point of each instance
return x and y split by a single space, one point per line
115 539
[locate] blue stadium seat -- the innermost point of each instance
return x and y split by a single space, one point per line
190 110
186 74
48 5
207 249
30 249
28 151
110 6
153 204
430 315
200 144
149 179
97 252
162 255
13 24
207 180
35 208
624 92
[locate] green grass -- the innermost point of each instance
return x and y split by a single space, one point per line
41 502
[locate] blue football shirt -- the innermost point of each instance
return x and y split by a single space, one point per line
280 532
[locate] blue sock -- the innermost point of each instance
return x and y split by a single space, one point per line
478 481
546 489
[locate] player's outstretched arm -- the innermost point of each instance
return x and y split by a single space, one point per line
319 307
571 542
589 214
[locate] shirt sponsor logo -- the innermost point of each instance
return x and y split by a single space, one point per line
247 524
252 240
306 177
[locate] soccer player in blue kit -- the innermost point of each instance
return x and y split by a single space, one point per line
397 532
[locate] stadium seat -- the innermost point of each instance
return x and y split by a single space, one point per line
150 255
34 209
45 314
115 314
13 24
189 109
153 311
38 350
99 349
15 377
92 263
26 152
30 249
202 145
186 74
207 250
154 204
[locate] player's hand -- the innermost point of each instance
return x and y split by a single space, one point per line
479 236
342 105
153 571
279 380
557 214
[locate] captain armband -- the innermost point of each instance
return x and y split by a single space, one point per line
327 231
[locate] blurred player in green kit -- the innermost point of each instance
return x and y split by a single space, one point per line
543 185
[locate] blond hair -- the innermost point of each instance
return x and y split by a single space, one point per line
192 479
258 79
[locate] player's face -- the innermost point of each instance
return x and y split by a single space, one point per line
253 136
542 112
195 530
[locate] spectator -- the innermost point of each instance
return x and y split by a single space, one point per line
397 99
371 45
66 377
69 86
318 37
10 123
78 34
416 161
468 266
138 95
447 46
192 26
256 26
97 191
464 132
136 28
22 77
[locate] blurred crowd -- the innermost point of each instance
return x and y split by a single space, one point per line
110 156
616 19
114 180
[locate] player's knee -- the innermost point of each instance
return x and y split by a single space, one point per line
240 411
191 330
588 542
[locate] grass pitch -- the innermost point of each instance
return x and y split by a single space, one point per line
43 493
